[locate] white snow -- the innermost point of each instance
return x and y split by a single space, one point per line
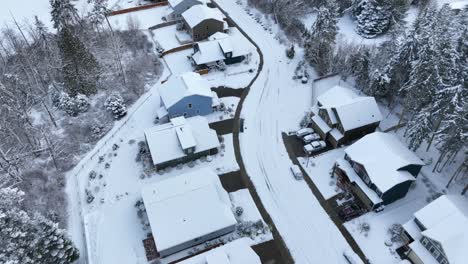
143 19
166 143
383 155
199 13
186 207
236 252
182 86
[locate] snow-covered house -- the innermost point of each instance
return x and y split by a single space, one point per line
180 6
202 21
181 140
236 252
438 233
231 47
378 169
341 115
187 210
187 95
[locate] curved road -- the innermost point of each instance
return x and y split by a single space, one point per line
276 103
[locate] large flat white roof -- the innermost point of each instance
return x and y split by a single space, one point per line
199 13
167 142
383 155
186 207
236 252
184 85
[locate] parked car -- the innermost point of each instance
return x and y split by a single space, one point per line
304 132
296 171
352 257
311 137
314 147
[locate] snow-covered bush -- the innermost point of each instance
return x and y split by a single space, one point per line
73 105
373 17
290 52
115 104
239 211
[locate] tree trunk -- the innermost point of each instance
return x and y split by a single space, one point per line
439 160
117 52
465 189
439 122
50 114
449 158
454 175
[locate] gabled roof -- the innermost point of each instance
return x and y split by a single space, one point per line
174 3
349 108
199 13
360 112
236 252
168 141
383 155
218 44
446 220
179 87
187 207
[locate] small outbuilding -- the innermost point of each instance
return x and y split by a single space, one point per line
187 210
378 169
342 116
438 233
181 140
202 21
187 95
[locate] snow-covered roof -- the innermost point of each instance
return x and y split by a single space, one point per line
422 253
336 96
383 155
236 252
186 207
218 44
336 134
199 13
167 142
321 124
360 112
351 110
179 87
446 219
353 177
174 3
459 4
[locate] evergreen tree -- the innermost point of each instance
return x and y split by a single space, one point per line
320 42
80 68
64 13
373 17
30 239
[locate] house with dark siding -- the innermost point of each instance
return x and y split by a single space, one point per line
180 141
230 47
438 233
378 169
341 116
186 95
180 6
201 21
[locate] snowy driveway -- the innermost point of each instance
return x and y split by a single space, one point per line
276 103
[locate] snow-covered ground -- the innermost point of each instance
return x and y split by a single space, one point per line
144 18
276 103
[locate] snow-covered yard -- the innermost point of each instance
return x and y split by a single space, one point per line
141 19
166 37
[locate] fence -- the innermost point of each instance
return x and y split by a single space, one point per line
138 8
180 48
165 24
81 166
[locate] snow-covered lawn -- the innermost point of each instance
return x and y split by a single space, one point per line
179 62
166 37
143 19
318 169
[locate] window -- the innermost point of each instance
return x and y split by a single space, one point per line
189 106
444 261
424 241
436 254
185 114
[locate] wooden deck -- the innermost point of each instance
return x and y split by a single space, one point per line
150 248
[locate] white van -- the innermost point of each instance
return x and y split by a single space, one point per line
297 173
304 131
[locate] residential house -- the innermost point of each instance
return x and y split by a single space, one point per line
187 95
438 233
187 210
231 47
235 252
341 116
180 6
378 169
202 21
181 140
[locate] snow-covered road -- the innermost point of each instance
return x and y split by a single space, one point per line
275 104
